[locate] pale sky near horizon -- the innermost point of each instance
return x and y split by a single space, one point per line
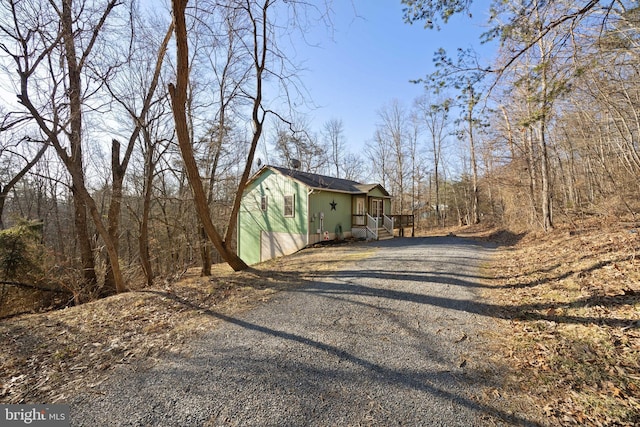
372 58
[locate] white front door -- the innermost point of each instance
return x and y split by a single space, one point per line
360 211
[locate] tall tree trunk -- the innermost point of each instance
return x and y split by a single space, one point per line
547 214
205 248
533 175
143 239
115 207
75 141
74 162
119 168
475 208
178 93
547 222
436 182
83 237
260 50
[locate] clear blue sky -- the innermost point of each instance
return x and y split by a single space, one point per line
371 59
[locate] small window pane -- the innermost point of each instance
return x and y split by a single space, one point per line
263 203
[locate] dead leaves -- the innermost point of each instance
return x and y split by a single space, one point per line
49 356
575 342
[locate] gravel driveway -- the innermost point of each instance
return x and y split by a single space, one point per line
394 339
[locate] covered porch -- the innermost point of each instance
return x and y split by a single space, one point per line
371 216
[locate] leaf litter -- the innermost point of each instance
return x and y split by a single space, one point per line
570 303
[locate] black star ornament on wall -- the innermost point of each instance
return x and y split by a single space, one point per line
333 205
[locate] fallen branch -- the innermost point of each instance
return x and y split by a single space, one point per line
30 286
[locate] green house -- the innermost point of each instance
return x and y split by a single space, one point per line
284 210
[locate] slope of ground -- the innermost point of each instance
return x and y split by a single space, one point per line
45 357
571 304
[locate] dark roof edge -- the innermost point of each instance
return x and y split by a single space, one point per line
356 187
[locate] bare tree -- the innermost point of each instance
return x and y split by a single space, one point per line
378 153
333 137
9 157
55 49
294 142
230 65
154 146
393 130
142 87
434 116
353 166
472 99
178 94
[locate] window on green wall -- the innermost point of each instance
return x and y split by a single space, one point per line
289 206
263 203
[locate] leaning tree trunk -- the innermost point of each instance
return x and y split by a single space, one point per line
73 160
178 94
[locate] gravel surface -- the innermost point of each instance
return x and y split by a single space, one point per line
394 339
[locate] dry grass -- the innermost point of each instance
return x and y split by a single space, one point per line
49 356
571 304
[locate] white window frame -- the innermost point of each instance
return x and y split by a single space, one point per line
292 207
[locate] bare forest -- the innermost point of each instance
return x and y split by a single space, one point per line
127 133
129 130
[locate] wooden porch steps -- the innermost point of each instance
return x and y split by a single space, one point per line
383 234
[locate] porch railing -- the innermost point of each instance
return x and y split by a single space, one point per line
387 223
403 220
372 226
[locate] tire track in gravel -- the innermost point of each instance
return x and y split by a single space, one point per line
394 339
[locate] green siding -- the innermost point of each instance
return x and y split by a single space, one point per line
320 201
252 220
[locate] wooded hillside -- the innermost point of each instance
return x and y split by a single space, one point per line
127 136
